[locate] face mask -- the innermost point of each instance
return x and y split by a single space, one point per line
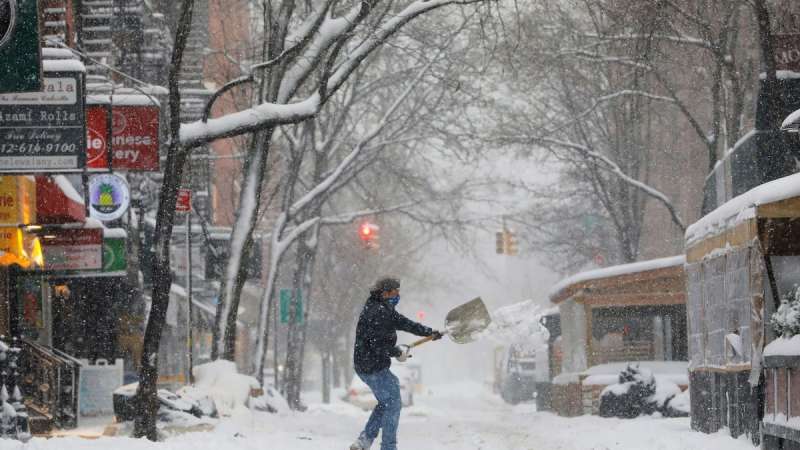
394 300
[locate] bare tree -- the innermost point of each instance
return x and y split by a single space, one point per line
311 51
304 58
601 91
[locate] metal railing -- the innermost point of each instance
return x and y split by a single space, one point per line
50 384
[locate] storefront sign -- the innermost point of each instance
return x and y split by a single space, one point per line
17 200
787 52
17 247
114 255
98 129
44 131
73 249
19 46
109 197
135 137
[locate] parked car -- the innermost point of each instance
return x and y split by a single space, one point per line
359 393
518 383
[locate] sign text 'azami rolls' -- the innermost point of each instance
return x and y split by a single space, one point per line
44 131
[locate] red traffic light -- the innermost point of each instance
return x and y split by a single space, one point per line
368 231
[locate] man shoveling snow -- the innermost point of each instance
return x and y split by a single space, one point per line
375 345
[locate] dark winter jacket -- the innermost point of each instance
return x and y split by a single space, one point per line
376 334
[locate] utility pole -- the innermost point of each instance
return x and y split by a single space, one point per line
189 293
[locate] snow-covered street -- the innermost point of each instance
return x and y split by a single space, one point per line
462 416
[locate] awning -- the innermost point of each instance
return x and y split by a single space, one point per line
57 202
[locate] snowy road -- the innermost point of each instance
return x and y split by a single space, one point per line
459 417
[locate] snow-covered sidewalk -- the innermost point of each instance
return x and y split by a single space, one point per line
456 417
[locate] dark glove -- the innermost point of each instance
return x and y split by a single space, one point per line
405 353
437 335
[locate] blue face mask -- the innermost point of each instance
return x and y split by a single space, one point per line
394 300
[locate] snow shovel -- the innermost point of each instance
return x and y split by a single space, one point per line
463 323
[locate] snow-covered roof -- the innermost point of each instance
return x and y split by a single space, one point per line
63 65
57 53
622 269
68 189
122 100
781 75
741 208
115 233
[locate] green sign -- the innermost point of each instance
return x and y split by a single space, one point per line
286 301
21 70
114 255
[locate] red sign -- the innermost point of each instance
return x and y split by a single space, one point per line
134 140
97 130
73 249
184 200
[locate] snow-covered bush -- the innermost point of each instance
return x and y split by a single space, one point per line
630 397
638 393
786 321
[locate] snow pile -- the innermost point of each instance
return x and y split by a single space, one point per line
220 381
638 393
682 402
517 324
272 401
783 347
672 371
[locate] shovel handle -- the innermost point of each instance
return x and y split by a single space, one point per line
423 340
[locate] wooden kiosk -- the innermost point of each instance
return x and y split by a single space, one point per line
740 259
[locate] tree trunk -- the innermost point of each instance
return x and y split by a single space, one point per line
295 340
244 225
337 376
326 377
147 401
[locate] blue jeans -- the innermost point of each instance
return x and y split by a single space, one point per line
386 416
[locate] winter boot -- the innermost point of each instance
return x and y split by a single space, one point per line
362 443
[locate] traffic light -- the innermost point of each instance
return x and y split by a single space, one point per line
368 232
501 242
510 243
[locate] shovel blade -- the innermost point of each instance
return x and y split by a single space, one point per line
464 323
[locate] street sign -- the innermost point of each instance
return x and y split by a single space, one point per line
184 201
109 196
21 70
73 249
286 300
45 131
